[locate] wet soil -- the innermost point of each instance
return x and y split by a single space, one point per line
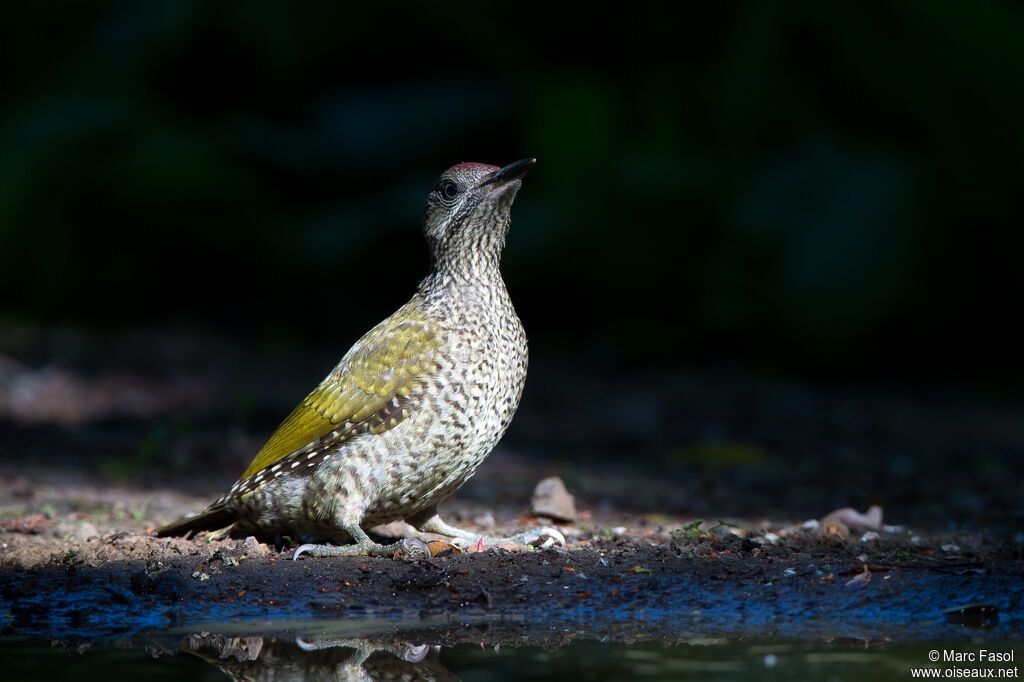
620 576
702 510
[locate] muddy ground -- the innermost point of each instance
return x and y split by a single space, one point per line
702 504
96 572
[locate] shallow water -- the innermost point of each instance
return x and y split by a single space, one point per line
210 657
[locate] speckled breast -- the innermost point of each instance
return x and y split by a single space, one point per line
465 411
455 420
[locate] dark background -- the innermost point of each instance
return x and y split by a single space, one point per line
827 194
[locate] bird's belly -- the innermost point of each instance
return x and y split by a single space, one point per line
393 475
414 473
377 478
435 452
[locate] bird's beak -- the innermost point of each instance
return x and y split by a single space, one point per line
511 172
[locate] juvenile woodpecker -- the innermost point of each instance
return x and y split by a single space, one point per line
415 405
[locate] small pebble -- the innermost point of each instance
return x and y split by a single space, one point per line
86 531
254 548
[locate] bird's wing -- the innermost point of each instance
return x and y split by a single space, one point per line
367 392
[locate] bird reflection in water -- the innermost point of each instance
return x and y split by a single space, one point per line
273 658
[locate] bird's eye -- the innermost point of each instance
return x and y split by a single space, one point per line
448 190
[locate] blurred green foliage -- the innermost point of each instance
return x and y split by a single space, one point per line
829 189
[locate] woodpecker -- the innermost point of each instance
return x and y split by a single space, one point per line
412 409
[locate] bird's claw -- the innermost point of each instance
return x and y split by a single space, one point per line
416 652
413 548
542 537
304 548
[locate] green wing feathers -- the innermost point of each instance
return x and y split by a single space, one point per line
391 361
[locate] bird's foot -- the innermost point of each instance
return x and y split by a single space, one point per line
541 537
406 651
430 522
412 548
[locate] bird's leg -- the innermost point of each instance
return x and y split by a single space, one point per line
363 546
428 521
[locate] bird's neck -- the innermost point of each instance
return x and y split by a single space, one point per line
477 262
475 277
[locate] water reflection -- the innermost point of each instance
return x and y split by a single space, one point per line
327 655
271 658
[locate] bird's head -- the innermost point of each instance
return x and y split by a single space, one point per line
467 213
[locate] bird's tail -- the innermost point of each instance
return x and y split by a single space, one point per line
214 518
